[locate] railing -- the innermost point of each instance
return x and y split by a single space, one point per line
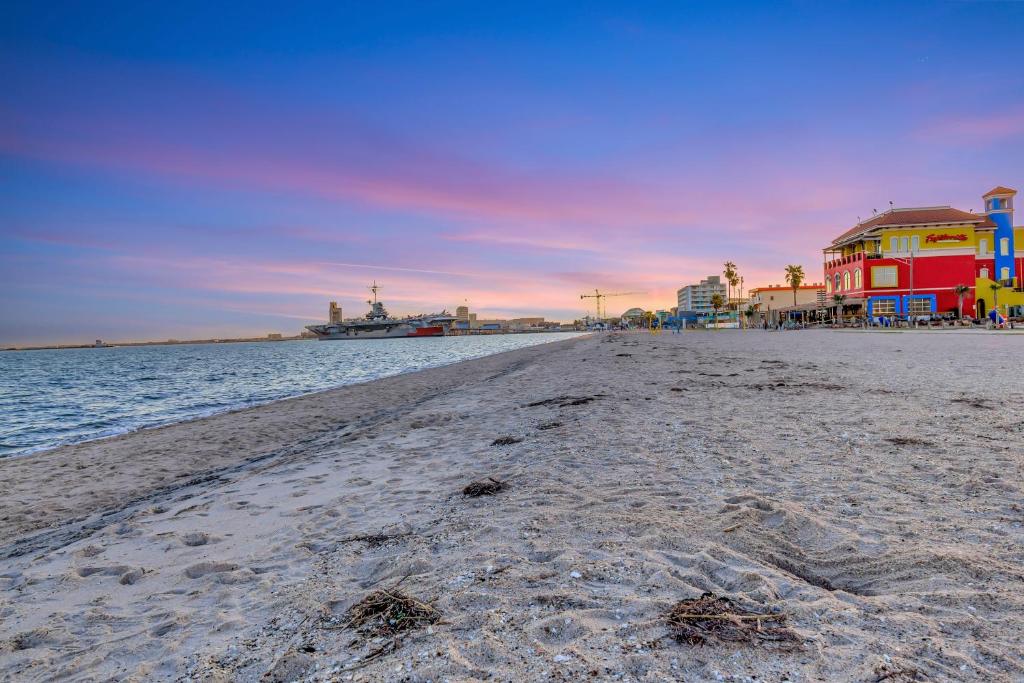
851 259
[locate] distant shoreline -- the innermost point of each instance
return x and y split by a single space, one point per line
242 340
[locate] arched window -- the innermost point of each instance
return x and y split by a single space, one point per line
858 279
828 285
838 286
846 280
983 273
1004 273
1004 246
915 243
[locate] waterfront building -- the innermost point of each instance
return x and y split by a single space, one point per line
462 312
774 297
698 297
909 261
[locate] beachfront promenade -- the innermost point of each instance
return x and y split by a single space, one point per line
865 485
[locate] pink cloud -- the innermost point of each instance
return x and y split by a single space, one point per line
974 129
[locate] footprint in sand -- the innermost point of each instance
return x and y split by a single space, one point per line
197 538
126 575
201 569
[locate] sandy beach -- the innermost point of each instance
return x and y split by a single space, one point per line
865 488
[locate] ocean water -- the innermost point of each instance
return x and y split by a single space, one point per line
52 398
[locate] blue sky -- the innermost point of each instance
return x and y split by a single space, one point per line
188 170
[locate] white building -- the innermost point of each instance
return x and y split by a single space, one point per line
698 297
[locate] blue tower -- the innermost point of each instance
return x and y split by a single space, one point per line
999 208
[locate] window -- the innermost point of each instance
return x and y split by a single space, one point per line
1004 246
1004 273
846 280
920 306
828 285
838 285
893 242
982 247
915 244
884 276
858 279
883 307
983 273
904 246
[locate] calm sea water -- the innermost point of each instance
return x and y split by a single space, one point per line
51 398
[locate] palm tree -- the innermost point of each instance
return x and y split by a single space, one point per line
716 303
961 291
730 278
995 287
838 300
795 278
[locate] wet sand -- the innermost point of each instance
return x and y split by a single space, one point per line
866 485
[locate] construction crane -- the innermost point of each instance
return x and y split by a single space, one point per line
597 296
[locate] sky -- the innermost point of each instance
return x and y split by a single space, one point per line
191 170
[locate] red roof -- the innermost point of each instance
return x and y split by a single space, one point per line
998 190
928 215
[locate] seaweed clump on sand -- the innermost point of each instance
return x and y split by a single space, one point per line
486 487
505 441
388 613
710 617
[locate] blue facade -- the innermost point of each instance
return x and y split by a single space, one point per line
1000 212
871 304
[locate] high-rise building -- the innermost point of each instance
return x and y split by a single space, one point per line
334 312
698 297
462 312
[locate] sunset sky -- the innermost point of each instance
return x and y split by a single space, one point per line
179 170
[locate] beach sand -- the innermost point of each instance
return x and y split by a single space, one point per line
868 486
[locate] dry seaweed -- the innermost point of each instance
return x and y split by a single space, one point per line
564 401
505 441
908 441
486 487
387 613
372 540
711 617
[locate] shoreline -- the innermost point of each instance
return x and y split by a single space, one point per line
86 450
826 477
221 410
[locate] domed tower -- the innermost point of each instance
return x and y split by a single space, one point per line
999 208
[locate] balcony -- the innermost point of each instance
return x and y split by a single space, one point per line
847 260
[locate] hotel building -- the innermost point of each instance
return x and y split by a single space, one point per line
910 261
698 297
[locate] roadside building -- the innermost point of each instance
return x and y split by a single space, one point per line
698 297
909 261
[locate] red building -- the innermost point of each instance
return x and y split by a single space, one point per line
911 261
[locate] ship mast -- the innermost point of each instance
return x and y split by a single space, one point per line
373 289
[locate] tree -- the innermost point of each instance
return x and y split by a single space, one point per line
730 278
716 303
795 278
961 292
838 300
995 287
